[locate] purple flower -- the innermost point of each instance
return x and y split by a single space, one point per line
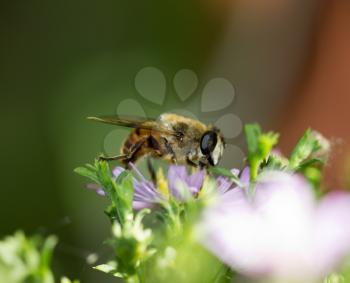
281 232
179 185
145 193
179 179
224 185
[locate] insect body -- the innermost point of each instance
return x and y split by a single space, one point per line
171 137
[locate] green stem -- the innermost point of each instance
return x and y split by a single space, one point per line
254 170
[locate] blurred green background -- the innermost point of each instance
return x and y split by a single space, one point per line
61 61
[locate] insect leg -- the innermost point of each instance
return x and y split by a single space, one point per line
152 171
190 162
170 150
130 156
125 157
202 165
111 158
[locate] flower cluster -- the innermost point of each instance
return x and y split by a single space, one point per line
267 222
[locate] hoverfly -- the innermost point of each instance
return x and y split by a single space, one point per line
171 137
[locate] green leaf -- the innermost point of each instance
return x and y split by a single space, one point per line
122 176
307 145
119 191
122 196
252 133
88 173
314 162
259 147
47 251
265 144
126 188
276 162
313 175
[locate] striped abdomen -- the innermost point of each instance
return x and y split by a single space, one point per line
141 142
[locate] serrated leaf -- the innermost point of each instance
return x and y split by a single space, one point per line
119 191
88 173
259 147
91 167
276 162
120 194
303 150
104 177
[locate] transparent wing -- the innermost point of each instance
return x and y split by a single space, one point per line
134 122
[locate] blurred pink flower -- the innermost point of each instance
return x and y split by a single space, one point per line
281 233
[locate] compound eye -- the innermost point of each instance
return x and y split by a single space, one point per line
208 142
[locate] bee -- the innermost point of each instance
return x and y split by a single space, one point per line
171 137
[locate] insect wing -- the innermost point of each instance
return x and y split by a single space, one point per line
133 122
